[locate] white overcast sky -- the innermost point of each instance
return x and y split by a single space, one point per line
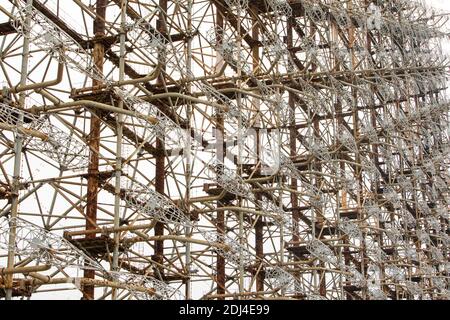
442 4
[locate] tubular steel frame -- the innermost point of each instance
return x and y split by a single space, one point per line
224 149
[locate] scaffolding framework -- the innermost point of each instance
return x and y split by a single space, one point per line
224 149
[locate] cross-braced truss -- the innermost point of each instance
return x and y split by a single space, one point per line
214 149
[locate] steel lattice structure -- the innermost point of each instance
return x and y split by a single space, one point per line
224 149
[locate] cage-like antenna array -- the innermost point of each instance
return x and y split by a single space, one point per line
253 149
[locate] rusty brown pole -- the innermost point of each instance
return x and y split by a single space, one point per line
259 225
220 223
94 141
293 141
319 214
159 227
259 233
317 167
160 158
220 154
293 148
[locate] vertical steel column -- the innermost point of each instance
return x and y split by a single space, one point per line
318 218
220 222
239 142
119 133
220 155
259 247
160 173
359 178
18 142
293 147
94 140
374 185
187 149
293 141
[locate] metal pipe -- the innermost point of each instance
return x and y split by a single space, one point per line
24 270
90 104
119 130
208 198
41 280
186 97
6 12
152 76
177 238
211 76
18 142
59 76
24 131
